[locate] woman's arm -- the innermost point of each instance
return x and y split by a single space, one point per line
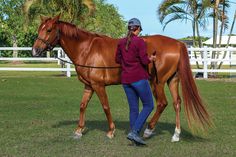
142 49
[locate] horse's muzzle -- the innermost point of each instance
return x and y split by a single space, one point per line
36 52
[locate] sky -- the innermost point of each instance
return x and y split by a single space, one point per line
146 12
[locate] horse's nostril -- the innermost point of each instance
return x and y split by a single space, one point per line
34 52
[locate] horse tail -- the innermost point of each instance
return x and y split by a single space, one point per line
195 109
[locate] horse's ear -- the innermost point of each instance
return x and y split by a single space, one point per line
56 18
44 18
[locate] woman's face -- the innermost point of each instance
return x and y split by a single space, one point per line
137 31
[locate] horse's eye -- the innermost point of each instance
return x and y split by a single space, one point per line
49 30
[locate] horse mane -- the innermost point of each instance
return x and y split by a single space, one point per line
71 30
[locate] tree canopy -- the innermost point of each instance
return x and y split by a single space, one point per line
19 19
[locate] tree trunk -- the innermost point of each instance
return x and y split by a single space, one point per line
215 23
194 45
222 24
15 52
25 8
230 34
215 32
221 29
198 36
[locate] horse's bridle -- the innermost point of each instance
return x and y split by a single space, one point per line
50 46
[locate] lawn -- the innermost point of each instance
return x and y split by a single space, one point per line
39 112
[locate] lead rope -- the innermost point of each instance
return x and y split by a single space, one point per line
88 66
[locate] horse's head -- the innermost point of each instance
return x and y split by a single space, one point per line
48 35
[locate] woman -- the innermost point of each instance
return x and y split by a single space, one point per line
131 54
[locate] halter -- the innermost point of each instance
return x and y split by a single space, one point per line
88 66
54 43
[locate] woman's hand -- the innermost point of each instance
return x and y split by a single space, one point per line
152 58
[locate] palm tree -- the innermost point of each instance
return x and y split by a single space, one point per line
188 10
224 22
224 18
230 34
73 8
219 14
215 22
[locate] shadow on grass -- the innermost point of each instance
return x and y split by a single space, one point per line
161 128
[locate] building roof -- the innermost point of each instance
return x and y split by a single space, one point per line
224 40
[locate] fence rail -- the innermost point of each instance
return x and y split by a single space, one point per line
204 56
60 54
201 55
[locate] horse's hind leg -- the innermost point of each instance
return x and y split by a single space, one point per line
159 94
102 95
88 92
174 89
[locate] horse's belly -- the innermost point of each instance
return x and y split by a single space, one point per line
106 77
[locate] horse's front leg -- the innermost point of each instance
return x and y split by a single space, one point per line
88 92
101 93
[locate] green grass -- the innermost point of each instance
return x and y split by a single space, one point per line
38 115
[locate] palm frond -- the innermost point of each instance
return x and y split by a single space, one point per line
174 17
166 4
172 10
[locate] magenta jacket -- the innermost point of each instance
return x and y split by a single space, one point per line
133 61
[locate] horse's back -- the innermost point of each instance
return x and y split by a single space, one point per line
162 44
168 52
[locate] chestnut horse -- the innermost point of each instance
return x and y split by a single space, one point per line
97 52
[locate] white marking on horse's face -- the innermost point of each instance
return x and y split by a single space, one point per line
43 26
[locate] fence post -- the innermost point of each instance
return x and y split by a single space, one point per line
191 54
59 56
205 75
230 56
68 73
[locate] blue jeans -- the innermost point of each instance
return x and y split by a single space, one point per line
134 91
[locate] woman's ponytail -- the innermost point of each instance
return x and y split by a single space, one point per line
129 35
128 40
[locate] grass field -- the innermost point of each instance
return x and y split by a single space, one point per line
39 112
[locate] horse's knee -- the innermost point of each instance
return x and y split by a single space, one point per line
177 104
162 106
106 108
82 107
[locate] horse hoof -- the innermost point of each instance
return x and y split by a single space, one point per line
148 133
77 135
111 134
79 132
175 139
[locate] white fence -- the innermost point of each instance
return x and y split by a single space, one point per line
204 57
60 52
201 55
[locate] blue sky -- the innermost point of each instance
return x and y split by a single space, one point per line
146 11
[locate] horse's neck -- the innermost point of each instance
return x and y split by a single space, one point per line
75 48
